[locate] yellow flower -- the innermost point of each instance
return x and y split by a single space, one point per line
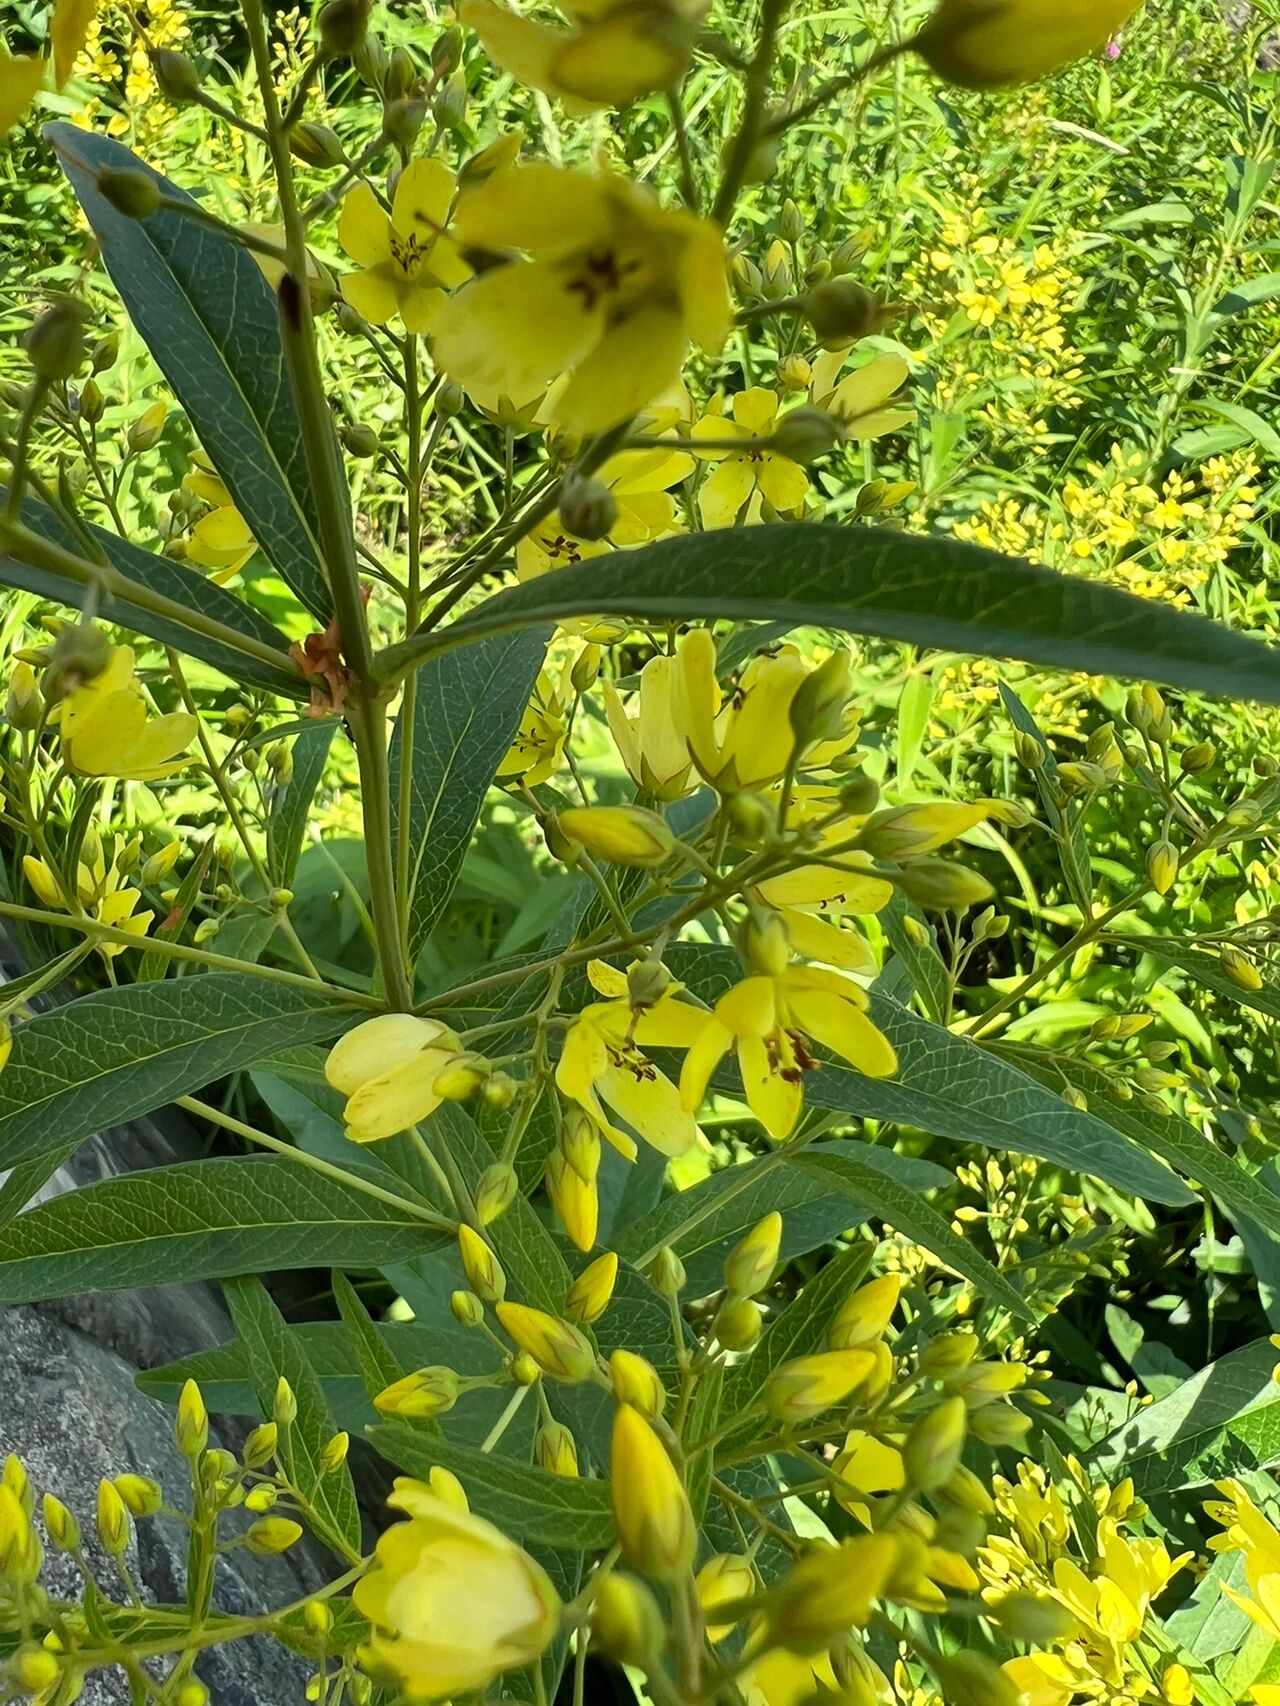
782 1678
651 742
387 1068
650 1506
769 1019
407 261
221 540
557 1347
613 291
453 1602
100 889
721 1581
811 899
863 401
743 740
639 482
603 1064
105 729
747 477
611 56
984 45
20 79
538 747
1250 1531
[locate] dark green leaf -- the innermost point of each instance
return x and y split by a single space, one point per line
1224 1420
528 1503
378 1364
200 1220
173 580
275 1354
869 580
208 317
112 1055
463 713
869 1179
289 810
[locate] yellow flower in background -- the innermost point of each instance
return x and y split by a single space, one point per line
407 261
20 79
988 44
1250 1532
639 482
100 889
106 731
612 54
603 1064
864 403
744 740
614 289
22 75
538 747
387 1068
768 1019
782 1678
813 899
647 733
453 1602
749 477
221 540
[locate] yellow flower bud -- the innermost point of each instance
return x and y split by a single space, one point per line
161 863
722 1581
999 1424
24 706
466 1308
983 1382
34 1669
940 885
260 1447
446 1485
972 1679
580 1144
932 1449
636 1382
15 1532
497 1190
462 1078
620 835
794 373
333 1453
557 1347
141 1495
667 1273
626 1624
575 1200
482 1268
260 1499
61 1526
984 45
524 1370
817 706
192 1693
271 1535
19 1482
1240 970
113 1519
805 1386
737 1323
865 1314
555 1451
317 1618
144 434
830 1591
588 1297
650 1506
1040 1622
284 1407
749 1266
425 1392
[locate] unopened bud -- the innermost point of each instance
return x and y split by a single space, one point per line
841 311
794 373
176 76
1199 758
804 434
140 1495
113 1519
751 818
818 704
498 1091
588 509
34 1669
342 25
865 1314
620 835
92 403
449 400
636 1382
667 1273
1029 750
557 1347
749 1266
647 981
462 1077
104 353
130 190
159 865
191 1426
627 1625
466 1308
424 1393
524 1370
933 1446
481 1266
144 434
316 145
284 1407
554 1450
651 1510
938 885
450 106
55 344
60 1525
24 706
586 668
737 1323
260 1446
588 1297
272 1535
497 1190
803 1387
1242 972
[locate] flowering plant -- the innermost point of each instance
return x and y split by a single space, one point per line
624 1426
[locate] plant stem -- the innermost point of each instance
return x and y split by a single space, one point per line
757 93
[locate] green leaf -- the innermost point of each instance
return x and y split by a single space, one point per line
925 971
913 719
208 317
275 1354
22 1182
287 823
869 1179
1224 1420
528 1503
868 580
117 1053
465 708
155 573
378 1363
200 1220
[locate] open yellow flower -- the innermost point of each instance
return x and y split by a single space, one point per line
407 261
639 482
612 54
453 1602
647 733
1250 1531
749 477
106 731
769 1020
387 1068
744 739
100 889
863 403
538 747
603 1064
220 541
613 290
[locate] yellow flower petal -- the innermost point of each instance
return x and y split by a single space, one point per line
515 328
620 57
723 493
632 363
20 78
782 481
68 30
373 294
525 48
839 1026
363 229
424 195
536 206
774 1100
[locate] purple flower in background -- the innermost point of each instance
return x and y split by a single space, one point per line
1113 49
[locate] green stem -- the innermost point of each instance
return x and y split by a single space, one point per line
757 94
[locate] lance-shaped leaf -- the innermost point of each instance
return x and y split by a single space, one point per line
208 316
